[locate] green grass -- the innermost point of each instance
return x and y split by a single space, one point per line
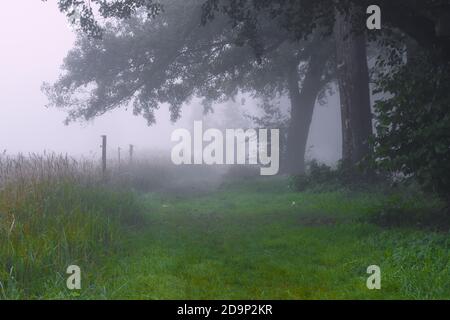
259 240
50 226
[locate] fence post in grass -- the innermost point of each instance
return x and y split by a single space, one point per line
104 155
131 153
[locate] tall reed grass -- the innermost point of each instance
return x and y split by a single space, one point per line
56 211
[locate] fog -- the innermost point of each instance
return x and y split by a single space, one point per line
224 149
35 37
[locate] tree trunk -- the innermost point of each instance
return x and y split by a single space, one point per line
302 107
353 79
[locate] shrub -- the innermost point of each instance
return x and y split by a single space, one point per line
413 124
321 177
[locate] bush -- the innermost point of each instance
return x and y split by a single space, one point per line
321 177
413 124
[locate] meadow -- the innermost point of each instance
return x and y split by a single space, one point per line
243 238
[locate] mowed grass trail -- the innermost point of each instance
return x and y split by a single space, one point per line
262 241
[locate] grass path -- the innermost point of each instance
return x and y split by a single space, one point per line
266 243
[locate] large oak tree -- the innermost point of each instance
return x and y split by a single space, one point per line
171 58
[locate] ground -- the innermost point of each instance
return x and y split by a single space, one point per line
262 241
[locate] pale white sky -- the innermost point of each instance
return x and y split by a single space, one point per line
34 39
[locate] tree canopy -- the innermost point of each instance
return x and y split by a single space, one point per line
132 63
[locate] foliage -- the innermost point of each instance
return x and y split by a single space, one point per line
145 63
413 124
320 177
85 14
184 60
138 62
422 20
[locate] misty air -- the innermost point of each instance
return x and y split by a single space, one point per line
225 151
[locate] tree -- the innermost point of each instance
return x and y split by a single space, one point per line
353 79
425 21
85 14
168 59
352 74
414 120
302 106
143 63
